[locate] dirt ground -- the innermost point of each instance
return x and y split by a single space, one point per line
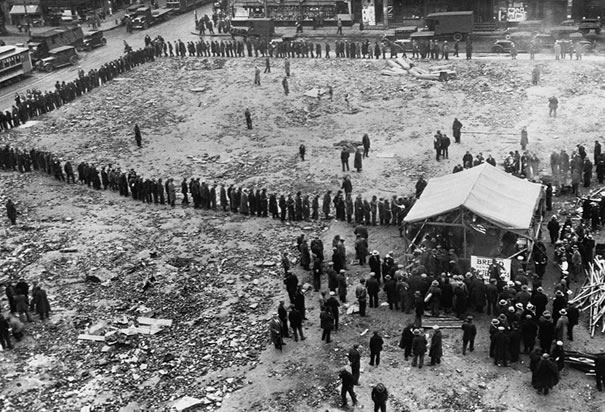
218 275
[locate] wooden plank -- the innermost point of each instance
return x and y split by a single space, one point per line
154 321
96 338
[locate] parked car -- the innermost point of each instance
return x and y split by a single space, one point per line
59 57
93 39
586 25
542 42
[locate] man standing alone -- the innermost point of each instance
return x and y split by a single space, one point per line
456 127
376 343
137 135
11 212
248 118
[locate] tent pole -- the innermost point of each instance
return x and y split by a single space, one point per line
407 249
463 232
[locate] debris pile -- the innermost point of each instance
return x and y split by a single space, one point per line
402 66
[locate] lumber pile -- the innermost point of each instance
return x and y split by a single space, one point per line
591 296
584 362
403 66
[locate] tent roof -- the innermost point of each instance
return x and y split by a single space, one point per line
491 193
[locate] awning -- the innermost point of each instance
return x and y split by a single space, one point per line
500 198
20 9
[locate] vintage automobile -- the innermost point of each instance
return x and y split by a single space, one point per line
586 25
93 39
541 41
59 57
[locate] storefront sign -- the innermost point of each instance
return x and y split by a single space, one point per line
481 265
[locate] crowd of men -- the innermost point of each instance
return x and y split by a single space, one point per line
20 304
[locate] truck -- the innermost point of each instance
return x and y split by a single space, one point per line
146 16
40 44
252 27
444 25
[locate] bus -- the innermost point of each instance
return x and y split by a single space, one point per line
15 63
181 6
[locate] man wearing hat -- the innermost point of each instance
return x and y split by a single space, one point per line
562 325
573 315
380 395
361 294
546 375
529 331
327 323
348 381
407 337
436 349
373 286
376 343
341 278
539 300
390 288
332 304
418 348
375 265
560 302
558 355
546 331
275 329
491 293
501 346
469 332
331 273
355 361
419 308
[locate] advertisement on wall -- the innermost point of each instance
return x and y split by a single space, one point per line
515 12
368 14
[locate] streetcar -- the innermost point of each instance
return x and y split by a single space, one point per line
181 6
15 63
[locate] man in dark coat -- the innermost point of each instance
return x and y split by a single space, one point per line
546 375
573 315
355 361
358 161
390 288
348 381
546 331
418 348
373 287
40 303
599 366
365 141
296 318
137 135
11 212
456 127
344 159
501 342
332 304
341 278
326 322
419 308
380 395
407 336
291 282
299 301
376 343
282 313
469 332
436 349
